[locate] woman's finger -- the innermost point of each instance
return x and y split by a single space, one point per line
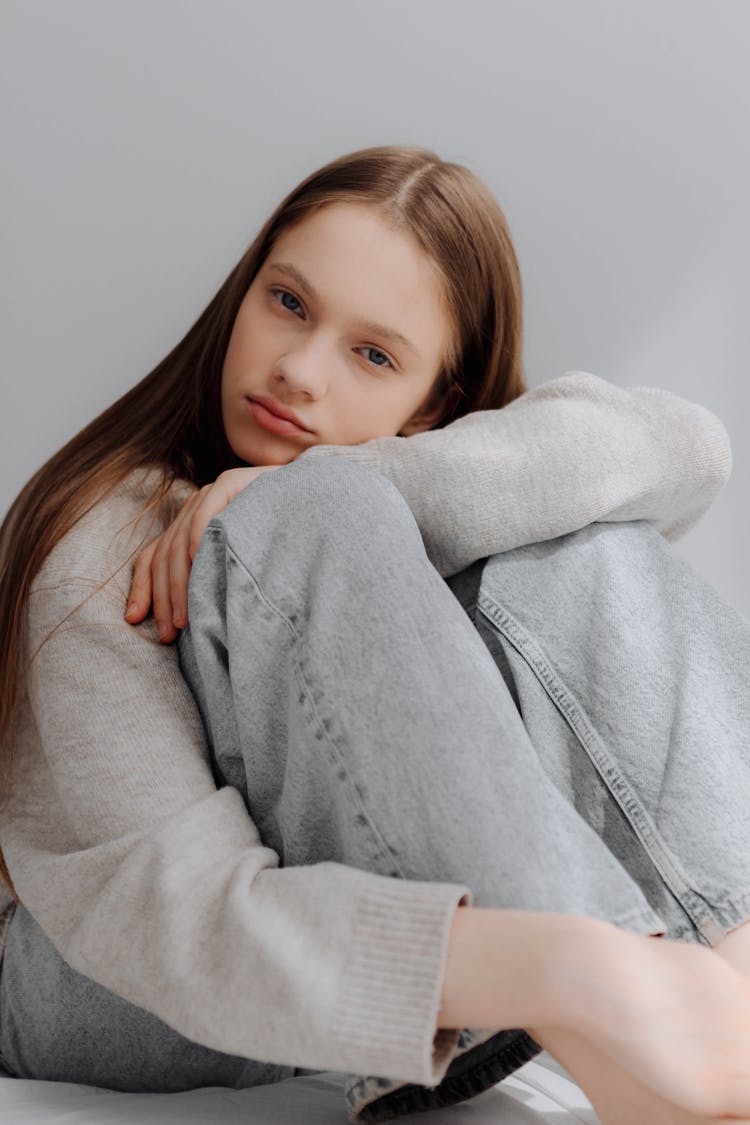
139 598
162 572
187 532
214 498
180 562
210 503
162 596
170 570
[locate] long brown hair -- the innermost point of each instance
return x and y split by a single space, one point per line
172 417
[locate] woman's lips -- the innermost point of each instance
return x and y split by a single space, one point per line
271 421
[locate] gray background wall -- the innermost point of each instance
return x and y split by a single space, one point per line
144 142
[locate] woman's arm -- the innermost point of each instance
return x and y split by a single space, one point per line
573 451
155 884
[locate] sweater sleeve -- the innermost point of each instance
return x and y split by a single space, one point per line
570 452
154 883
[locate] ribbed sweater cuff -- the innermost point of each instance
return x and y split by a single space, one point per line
393 977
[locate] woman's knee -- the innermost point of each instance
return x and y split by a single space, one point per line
342 486
326 499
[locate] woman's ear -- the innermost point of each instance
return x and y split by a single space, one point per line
428 416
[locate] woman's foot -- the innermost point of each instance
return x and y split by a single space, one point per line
672 1015
617 1097
734 947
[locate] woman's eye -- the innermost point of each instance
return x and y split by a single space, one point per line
377 352
367 347
285 293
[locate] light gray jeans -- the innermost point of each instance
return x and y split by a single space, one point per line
564 727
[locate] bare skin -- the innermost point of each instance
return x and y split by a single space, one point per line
617 1096
734 947
655 1032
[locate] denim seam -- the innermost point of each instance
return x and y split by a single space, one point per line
323 728
733 912
322 725
270 605
692 902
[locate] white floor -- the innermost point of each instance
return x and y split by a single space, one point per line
541 1091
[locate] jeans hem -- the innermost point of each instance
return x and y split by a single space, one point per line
468 1075
731 913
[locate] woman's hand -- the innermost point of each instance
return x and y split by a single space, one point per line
162 568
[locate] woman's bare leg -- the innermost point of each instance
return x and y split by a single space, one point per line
734 947
617 1097
654 1032
663 1015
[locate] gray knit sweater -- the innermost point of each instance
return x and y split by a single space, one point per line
123 849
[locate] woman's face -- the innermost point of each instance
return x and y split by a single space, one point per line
300 338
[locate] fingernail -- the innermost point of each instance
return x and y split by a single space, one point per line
163 630
132 607
177 617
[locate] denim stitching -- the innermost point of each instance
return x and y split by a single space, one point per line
694 904
321 725
370 1099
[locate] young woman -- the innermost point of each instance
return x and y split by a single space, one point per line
374 771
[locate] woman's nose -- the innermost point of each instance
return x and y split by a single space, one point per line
306 368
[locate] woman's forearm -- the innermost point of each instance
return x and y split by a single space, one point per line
569 452
512 968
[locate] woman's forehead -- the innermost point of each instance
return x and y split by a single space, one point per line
350 257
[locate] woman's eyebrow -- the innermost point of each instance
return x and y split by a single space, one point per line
366 325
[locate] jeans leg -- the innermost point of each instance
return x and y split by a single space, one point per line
60 1026
349 698
616 649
